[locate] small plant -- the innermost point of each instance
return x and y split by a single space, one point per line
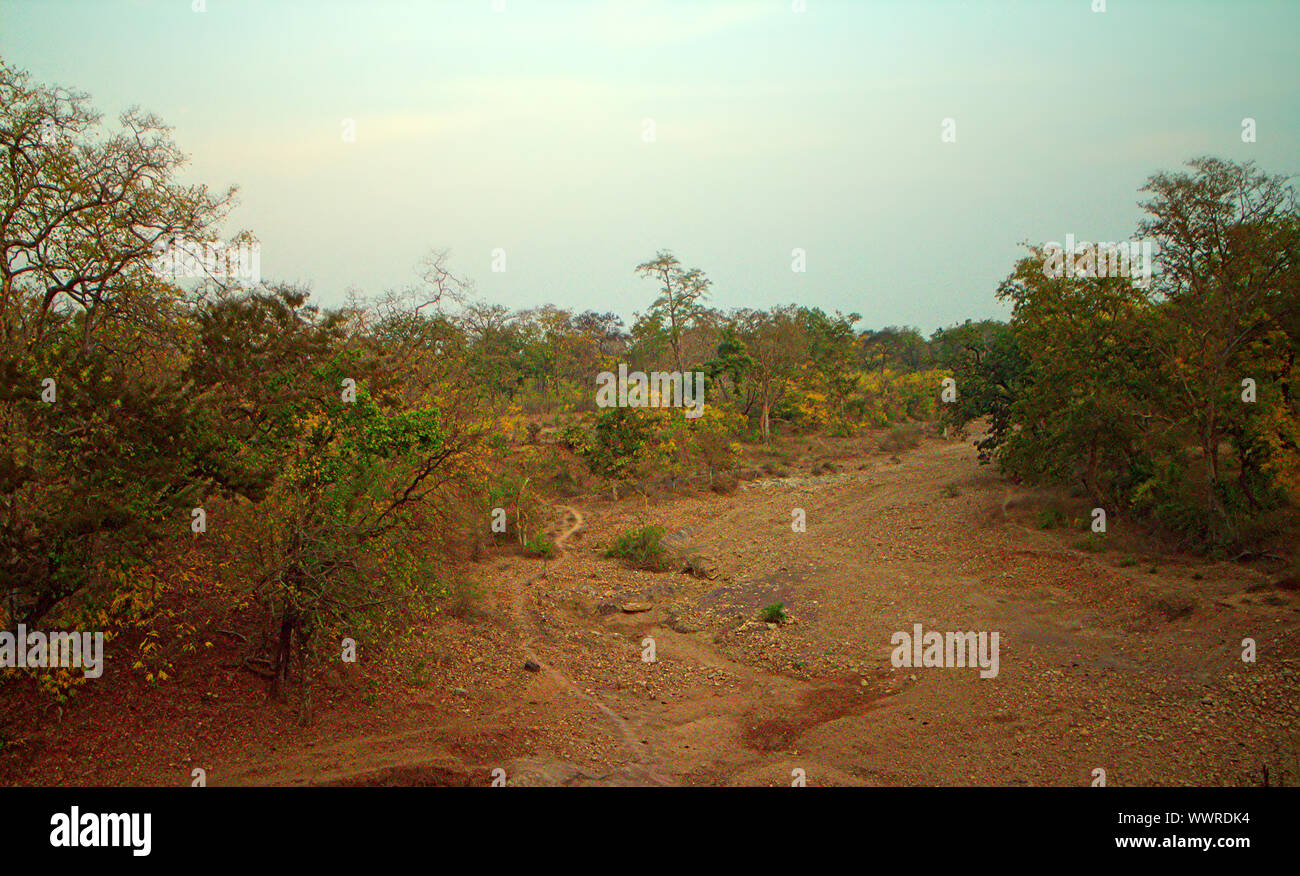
642 549
461 597
419 677
1128 561
1050 518
1093 544
950 491
539 546
774 613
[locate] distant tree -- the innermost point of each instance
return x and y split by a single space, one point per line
681 297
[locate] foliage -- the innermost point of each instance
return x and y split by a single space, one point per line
642 548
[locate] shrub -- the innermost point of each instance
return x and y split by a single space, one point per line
642 549
774 613
539 546
461 597
1050 517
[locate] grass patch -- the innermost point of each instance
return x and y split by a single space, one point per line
951 491
1093 544
539 546
642 549
1050 517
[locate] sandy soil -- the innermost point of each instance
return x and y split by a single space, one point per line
1131 668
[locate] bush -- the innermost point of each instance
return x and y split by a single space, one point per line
642 549
724 484
774 613
539 546
1050 517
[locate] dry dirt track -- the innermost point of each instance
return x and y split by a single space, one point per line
1134 669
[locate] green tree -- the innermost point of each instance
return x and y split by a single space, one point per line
681 297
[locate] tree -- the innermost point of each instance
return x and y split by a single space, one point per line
82 217
830 351
681 297
776 343
1228 248
988 366
115 452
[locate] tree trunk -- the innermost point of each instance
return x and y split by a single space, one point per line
283 651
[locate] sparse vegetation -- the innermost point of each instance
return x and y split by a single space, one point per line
642 548
1092 543
539 546
1050 517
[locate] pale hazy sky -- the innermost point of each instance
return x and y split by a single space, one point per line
522 129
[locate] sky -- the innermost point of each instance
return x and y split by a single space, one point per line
528 130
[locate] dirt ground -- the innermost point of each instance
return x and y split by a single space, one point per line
1121 660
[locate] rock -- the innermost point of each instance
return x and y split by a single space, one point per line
605 608
532 666
637 607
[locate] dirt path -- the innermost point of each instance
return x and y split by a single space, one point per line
1126 663
642 770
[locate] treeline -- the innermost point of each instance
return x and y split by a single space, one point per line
1173 402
